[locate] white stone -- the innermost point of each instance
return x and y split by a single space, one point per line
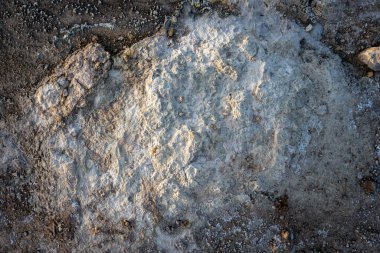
309 28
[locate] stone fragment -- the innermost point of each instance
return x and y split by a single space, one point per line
371 58
309 28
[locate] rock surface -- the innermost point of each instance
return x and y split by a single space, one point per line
241 134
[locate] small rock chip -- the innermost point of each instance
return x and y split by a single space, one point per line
371 57
171 32
285 234
94 230
370 74
154 151
309 28
127 223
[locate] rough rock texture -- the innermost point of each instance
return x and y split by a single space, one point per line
242 134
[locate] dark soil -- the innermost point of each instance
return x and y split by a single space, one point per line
36 35
348 26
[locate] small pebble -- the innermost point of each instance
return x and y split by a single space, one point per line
284 234
171 32
371 57
309 28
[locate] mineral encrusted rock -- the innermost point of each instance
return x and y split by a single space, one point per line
68 87
371 57
241 135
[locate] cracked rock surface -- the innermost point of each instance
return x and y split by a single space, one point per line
241 134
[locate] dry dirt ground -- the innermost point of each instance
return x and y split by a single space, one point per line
35 36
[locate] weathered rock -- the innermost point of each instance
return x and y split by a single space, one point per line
371 57
241 135
70 83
